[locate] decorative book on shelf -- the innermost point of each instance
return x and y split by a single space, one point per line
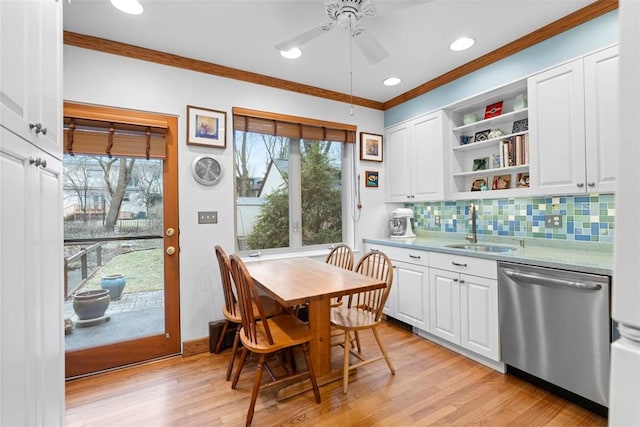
514 151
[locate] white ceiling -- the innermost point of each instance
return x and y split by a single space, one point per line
241 34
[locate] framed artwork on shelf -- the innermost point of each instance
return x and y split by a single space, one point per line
493 110
501 182
480 184
371 179
482 135
206 127
370 147
480 164
520 126
523 180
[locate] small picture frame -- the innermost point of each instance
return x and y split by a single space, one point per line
206 127
523 180
371 179
501 182
370 147
482 135
521 125
480 164
480 184
493 110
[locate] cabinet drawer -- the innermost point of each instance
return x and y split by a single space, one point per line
401 254
464 264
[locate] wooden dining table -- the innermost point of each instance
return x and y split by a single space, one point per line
295 281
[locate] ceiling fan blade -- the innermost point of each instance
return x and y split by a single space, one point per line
369 46
305 37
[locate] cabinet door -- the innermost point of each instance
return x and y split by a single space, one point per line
602 114
445 305
556 130
426 157
479 330
412 288
30 82
31 301
397 182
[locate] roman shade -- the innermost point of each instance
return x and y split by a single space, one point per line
292 126
92 130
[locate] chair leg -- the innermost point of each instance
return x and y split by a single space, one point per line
312 373
243 357
234 352
256 388
383 351
345 366
221 338
357 341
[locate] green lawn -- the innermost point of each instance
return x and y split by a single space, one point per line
143 270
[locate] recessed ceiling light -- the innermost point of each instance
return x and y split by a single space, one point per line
132 7
462 43
391 81
291 53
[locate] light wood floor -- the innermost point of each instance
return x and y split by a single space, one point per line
432 385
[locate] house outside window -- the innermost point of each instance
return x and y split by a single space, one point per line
288 189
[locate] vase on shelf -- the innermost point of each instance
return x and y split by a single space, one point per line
114 283
520 102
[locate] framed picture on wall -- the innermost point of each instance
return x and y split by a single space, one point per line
206 127
370 147
371 179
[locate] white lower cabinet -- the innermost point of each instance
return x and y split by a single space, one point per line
408 300
464 303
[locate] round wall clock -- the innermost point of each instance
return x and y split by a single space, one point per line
206 170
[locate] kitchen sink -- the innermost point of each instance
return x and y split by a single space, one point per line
481 247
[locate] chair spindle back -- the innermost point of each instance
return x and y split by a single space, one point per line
377 265
341 256
225 276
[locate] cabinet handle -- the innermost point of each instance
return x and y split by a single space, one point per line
414 256
591 184
459 264
38 162
455 280
38 128
580 184
461 280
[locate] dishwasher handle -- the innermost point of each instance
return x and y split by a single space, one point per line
550 281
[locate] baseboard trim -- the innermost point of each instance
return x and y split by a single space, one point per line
193 347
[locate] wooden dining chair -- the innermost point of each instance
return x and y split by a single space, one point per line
341 256
363 310
267 336
231 311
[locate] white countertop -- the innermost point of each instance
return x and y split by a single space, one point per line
574 256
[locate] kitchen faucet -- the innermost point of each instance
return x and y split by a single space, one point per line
473 237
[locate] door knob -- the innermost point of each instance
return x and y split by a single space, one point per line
171 232
171 250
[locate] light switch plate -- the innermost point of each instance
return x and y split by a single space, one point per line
553 221
437 220
207 217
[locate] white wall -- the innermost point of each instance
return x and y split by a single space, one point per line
104 79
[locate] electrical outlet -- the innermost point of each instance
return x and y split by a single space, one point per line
553 221
208 217
437 220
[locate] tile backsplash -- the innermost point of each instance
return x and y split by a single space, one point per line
588 218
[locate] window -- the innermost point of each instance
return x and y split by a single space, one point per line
289 180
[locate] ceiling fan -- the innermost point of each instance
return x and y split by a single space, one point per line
344 14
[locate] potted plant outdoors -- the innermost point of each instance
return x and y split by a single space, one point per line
114 283
91 305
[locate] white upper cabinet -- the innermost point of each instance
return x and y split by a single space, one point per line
413 160
573 125
602 112
30 75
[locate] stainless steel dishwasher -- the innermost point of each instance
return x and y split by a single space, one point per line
556 326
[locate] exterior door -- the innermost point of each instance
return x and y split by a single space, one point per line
121 245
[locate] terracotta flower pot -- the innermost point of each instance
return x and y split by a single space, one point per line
91 304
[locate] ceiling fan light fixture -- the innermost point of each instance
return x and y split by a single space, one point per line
291 53
462 43
132 7
391 81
